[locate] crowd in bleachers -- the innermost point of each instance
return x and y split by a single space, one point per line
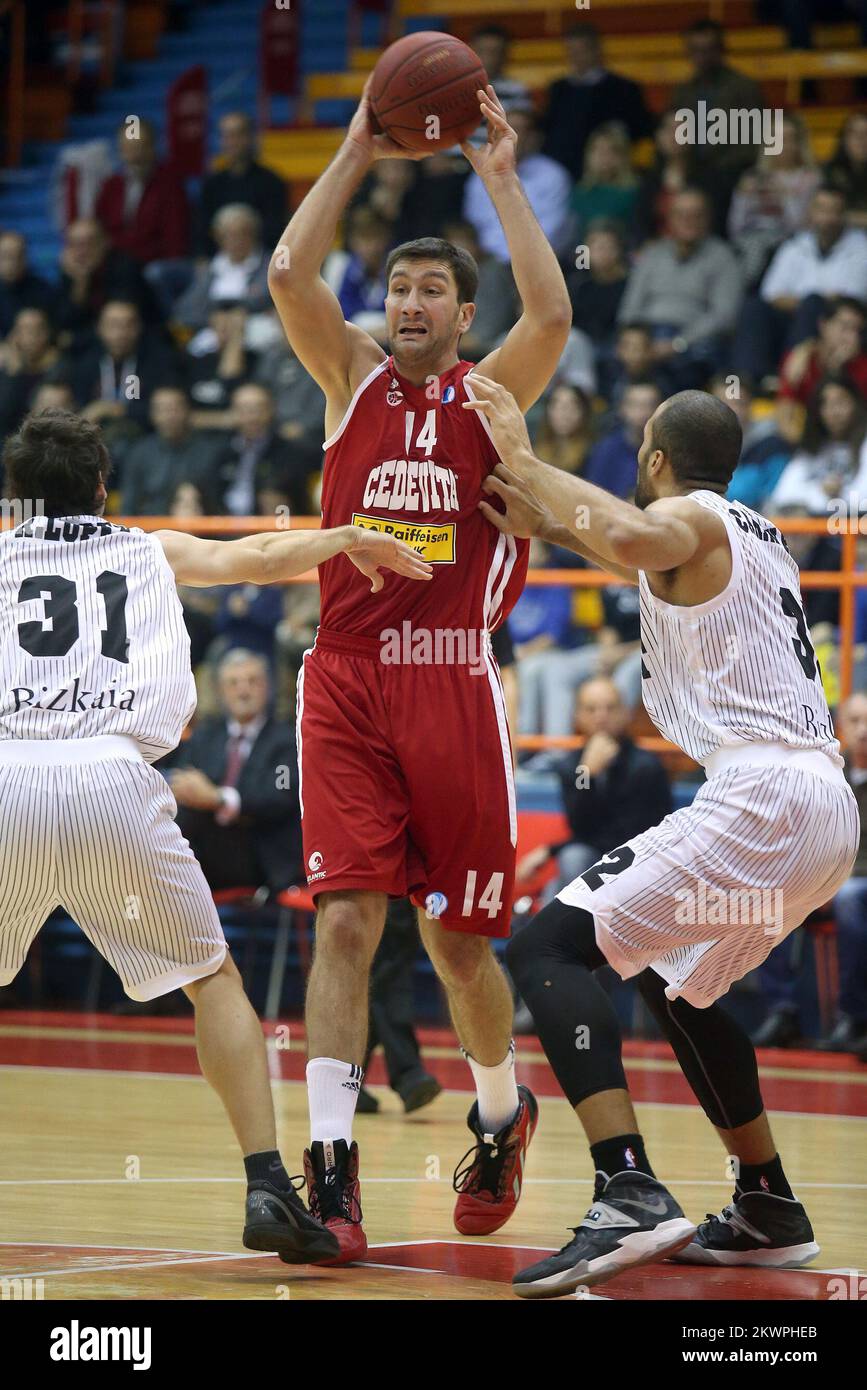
725 266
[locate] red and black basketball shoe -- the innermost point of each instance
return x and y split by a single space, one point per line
489 1185
334 1197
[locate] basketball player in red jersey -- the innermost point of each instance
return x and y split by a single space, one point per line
406 770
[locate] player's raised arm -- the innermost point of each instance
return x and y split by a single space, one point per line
663 536
336 354
526 361
272 556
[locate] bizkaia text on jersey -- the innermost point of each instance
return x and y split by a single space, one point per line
71 699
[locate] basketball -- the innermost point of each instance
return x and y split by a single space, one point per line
423 93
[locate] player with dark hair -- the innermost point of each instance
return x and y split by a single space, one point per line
730 675
95 684
406 767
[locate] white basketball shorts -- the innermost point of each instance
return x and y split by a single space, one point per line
88 825
706 895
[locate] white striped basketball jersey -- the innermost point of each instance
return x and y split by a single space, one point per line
740 668
92 635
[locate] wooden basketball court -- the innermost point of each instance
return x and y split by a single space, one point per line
119 1177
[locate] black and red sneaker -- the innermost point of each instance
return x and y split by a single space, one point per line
334 1196
489 1185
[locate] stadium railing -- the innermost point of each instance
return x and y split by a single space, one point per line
846 580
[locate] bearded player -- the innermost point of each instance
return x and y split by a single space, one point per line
406 769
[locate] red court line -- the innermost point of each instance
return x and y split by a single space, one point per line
812 1095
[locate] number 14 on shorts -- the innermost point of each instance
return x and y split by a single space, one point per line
491 899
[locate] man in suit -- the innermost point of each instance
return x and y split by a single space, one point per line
236 784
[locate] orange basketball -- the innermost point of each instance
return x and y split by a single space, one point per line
423 93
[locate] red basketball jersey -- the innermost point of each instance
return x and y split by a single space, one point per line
410 461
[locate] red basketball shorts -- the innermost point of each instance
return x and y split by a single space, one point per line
406 782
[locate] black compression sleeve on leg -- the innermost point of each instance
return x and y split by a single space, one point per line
552 962
715 1054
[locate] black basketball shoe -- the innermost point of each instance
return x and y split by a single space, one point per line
633 1221
278 1222
756 1228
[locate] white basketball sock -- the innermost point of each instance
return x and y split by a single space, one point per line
332 1092
496 1090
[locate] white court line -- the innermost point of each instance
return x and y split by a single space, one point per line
111 1269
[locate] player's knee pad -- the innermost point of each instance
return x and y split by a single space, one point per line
559 933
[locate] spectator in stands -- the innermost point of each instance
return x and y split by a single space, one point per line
837 349
238 273
240 179
596 289
611 789
116 378
688 287
764 452
388 191
20 287
539 623
496 296
608 186
671 173
199 605
847 168
831 465
258 471
299 402
826 260
214 376
26 357
772 200
144 208
545 182
632 361
248 616
850 904
614 653
235 781
52 395
438 193
360 284
721 87
588 97
175 453
566 431
613 461
91 274
490 43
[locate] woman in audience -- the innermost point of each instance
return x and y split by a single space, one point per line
771 200
26 357
608 187
596 288
847 168
566 432
669 175
831 465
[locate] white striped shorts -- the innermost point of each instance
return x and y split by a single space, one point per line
88 825
706 895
